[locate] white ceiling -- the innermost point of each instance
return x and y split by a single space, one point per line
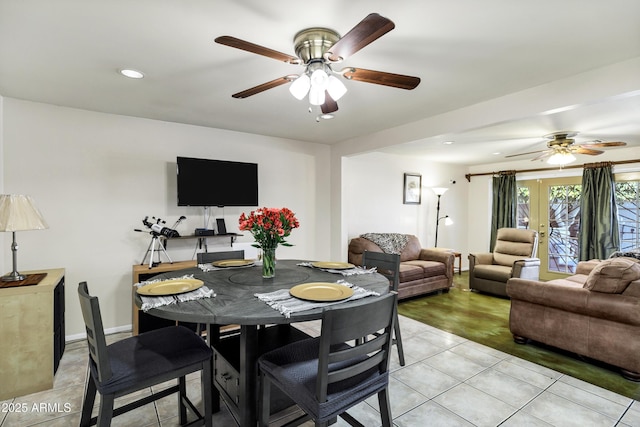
67 52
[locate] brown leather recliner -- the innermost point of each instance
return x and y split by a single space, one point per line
513 256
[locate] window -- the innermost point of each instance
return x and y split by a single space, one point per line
628 201
523 214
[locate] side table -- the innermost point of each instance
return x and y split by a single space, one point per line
459 256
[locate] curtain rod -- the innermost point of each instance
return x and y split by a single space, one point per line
621 162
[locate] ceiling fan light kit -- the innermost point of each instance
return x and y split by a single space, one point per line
316 49
316 80
561 159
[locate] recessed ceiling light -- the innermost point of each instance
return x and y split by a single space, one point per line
496 153
132 74
448 142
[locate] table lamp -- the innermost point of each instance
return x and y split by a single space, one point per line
18 213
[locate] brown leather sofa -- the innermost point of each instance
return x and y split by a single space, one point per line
594 313
422 271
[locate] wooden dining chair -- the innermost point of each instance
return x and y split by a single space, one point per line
205 257
389 266
327 375
139 362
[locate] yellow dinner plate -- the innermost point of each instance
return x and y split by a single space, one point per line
332 265
321 291
233 263
170 287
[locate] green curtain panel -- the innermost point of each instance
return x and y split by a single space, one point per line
505 204
599 235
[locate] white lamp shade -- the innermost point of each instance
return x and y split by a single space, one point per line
561 159
439 190
300 87
319 79
19 213
448 221
336 88
316 95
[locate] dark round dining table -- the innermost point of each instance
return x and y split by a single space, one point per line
235 303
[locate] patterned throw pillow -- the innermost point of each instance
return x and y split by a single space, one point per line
618 254
390 243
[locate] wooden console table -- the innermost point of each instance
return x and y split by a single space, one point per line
32 334
141 321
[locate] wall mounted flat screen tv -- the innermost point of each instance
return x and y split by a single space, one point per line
204 182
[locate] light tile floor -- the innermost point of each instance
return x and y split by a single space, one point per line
447 381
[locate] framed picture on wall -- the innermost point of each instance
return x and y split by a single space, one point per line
412 194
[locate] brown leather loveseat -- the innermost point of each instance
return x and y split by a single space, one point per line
422 271
594 313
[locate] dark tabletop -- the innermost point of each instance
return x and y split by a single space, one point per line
235 302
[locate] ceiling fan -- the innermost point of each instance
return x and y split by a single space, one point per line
317 49
561 150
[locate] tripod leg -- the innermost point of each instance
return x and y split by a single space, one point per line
153 248
195 250
147 253
161 247
159 243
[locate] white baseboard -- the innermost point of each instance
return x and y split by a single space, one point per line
116 330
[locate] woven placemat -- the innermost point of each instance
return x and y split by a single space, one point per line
32 279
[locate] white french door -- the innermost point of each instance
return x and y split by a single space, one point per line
552 207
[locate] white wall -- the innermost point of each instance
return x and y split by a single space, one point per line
372 200
95 176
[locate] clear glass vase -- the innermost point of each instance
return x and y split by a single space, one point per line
268 262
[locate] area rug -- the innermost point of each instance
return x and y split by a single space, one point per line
485 320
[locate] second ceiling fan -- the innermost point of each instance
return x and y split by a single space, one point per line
561 149
317 49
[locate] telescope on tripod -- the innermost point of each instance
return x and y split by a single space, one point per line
156 230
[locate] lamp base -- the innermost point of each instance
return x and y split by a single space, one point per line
13 277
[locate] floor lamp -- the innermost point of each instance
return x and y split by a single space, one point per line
439 192
18 213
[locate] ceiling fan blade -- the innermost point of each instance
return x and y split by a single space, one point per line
581 149
371 28
261 88
524 154
598 144
543 155
381 78
330 105
254 48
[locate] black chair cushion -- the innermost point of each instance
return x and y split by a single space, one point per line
294 368
137 359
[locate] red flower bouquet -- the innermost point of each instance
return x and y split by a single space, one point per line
270 227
